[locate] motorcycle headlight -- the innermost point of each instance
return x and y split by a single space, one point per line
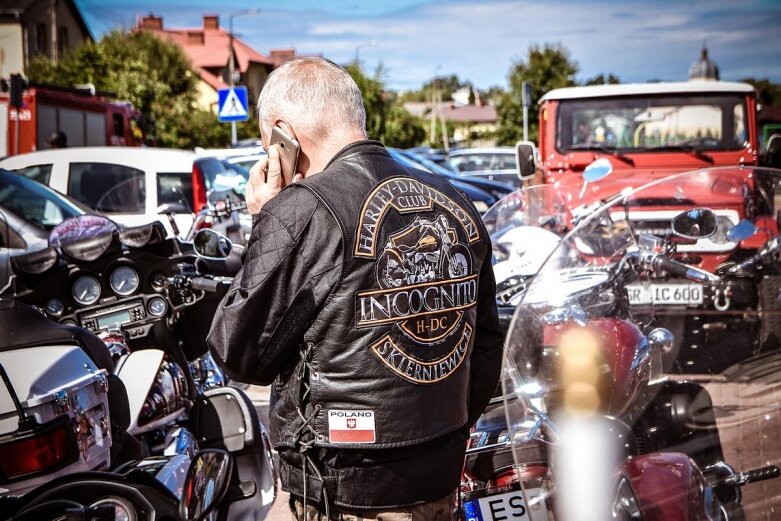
723 226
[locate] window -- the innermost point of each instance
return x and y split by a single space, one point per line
40 173
62 40
652 122
219 176
175 189
41 42
108 187
119 125
37 204
9 239
483 161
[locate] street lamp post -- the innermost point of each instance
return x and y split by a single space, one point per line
231 65
372 43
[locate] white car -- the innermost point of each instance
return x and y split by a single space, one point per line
496 164
132 186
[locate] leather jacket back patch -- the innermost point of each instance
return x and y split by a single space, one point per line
425 275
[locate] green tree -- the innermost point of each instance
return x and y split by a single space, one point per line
768 93
153 74
546 67
386 119
601 79
472 97
446 84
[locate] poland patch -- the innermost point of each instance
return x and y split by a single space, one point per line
351 426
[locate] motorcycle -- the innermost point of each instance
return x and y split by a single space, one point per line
581 345
209 485
151 298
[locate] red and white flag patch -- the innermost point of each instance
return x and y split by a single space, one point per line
351 426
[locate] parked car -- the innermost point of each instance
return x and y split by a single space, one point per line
132 186
497 164
496 188
28 211
433 154
480 198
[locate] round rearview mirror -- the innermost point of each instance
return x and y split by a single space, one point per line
597 170
212 245
697 223
206 484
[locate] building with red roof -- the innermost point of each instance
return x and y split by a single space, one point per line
209 49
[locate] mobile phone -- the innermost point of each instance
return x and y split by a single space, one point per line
288 153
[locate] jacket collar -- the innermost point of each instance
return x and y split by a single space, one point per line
362 146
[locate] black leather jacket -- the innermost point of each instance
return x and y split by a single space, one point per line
367 296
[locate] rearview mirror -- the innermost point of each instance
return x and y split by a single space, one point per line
212 245
206 484
525 159
697 223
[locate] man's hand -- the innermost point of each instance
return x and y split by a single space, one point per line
265 181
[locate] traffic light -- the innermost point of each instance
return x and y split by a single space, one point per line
17 87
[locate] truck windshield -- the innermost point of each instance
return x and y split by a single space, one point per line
652 123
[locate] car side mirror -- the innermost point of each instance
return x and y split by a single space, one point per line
212 245
206 484
526 159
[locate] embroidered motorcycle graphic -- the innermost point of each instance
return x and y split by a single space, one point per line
425 280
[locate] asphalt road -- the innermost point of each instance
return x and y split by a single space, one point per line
259 396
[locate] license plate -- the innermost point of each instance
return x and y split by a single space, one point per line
509 505
673 294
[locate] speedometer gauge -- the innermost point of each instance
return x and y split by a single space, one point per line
86 290
124 280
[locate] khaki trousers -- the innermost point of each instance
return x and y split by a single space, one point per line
440 510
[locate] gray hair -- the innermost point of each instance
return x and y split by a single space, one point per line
315 96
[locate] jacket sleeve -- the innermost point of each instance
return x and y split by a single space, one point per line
486 358
291 264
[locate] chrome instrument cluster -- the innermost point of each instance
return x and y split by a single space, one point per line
123 280
85 290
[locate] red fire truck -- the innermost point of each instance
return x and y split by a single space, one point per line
85 118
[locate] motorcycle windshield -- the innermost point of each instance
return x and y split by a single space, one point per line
525 227
85 237
671 340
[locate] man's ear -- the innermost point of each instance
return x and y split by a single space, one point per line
286 128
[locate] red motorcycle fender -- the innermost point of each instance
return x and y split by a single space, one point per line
666 486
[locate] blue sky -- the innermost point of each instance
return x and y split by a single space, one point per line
479 40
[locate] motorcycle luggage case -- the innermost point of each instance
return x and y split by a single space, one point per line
59 387
225 418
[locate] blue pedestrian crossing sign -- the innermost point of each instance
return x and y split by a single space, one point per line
232 104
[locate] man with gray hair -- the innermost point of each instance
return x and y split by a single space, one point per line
367 297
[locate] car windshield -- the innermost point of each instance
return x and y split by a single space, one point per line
34 202
216 172
652 123
480 161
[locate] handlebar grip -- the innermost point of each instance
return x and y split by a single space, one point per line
747 264
204 284
761 474
678 268
671 266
